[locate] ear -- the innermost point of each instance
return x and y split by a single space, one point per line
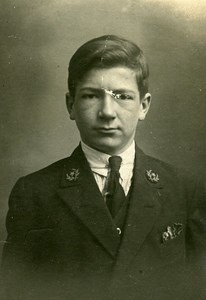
70 105
144 106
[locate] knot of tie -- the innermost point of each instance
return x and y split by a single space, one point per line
115 163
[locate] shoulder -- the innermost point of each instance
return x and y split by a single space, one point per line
170 176
181 186
48 173
166 169
48 176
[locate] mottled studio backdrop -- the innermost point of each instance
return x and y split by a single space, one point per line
37 40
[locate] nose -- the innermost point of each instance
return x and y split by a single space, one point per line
107 107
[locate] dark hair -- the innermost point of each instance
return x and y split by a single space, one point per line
105 52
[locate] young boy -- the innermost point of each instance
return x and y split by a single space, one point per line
108 222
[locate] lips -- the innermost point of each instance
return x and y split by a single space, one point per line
107 129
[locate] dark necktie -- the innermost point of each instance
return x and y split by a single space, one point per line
115 195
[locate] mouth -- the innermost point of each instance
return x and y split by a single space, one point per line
107 129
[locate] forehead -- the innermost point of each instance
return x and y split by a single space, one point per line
110 78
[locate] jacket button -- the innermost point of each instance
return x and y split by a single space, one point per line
119 230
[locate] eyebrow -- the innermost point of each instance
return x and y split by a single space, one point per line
91 89
115 91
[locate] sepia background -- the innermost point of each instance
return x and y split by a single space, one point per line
37 40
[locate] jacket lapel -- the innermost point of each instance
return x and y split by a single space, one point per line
143 211
78 189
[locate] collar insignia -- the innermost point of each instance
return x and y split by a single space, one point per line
152 176
73 175
172 232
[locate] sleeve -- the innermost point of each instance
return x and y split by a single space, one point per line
196 235
17 224
196 238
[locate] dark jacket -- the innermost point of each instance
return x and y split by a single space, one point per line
63 244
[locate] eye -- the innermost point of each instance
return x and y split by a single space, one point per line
89 96
123 96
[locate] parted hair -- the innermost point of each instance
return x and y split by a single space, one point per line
106 52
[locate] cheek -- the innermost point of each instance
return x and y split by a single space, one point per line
84 115
130 115
85 107
130 123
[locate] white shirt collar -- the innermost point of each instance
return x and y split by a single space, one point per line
98 161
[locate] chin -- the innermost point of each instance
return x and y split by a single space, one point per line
109 149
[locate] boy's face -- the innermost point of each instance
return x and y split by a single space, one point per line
107 107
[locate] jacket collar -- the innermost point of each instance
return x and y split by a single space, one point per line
79 191
83 197
144 208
